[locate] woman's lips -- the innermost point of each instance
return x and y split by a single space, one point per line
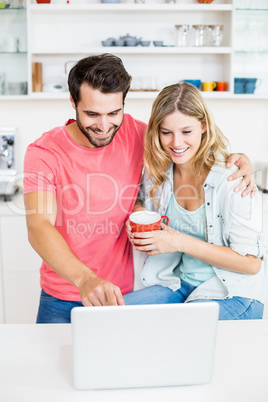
179 152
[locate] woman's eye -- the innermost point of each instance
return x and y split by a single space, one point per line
186 132
165 132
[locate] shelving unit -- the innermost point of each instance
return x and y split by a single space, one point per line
152 21
137 50
60 34
250 54
115 7
14 57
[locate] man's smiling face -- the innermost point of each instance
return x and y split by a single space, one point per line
98 115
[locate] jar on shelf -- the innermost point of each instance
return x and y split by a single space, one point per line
216 36
207 35
191 36
199 35
181 35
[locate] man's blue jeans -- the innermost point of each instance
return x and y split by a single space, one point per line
53 310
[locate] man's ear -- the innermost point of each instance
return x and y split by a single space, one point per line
72 102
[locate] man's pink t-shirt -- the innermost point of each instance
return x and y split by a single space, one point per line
95 190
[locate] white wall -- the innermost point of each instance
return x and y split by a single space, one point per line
244 122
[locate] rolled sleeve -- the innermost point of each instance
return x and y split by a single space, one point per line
245 231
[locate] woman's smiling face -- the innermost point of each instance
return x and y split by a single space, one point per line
180 136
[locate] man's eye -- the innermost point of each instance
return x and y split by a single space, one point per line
113 113
91 114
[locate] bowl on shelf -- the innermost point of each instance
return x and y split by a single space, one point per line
110 1
131 42
205 1
158 42
108 42
145 42
119 42
54 87
43 1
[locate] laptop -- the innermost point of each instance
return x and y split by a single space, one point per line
143 346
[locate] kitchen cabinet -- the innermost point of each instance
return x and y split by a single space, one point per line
20 290
251 44
1 298
13 51
60 34
84 26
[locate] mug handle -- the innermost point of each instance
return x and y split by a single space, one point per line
259 82
214 84
165 217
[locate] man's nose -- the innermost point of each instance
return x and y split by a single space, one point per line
103 124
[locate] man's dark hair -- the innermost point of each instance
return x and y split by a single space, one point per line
104 72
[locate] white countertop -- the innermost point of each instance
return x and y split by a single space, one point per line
36 365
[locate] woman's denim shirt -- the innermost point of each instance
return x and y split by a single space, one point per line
231 220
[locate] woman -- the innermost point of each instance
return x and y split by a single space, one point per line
213 247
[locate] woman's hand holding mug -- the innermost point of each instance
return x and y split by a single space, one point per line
141 222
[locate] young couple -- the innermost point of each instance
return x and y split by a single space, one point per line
81 182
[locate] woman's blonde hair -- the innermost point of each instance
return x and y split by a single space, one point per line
186 98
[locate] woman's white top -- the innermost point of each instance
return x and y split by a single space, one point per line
231 221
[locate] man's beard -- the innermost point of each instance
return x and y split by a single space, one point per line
97 142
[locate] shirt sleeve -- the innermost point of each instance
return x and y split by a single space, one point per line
141 193
245 231
40 170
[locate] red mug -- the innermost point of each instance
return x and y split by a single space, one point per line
146 221
222 86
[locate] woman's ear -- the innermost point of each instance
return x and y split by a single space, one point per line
204 126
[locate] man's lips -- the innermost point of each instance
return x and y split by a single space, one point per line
102 133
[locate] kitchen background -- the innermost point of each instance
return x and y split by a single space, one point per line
225 42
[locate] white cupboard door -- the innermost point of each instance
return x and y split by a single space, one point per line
20 269
1 298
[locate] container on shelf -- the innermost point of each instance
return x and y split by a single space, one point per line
199 35
216 35
37 80
2 83
181 35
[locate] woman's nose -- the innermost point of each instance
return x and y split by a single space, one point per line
177 140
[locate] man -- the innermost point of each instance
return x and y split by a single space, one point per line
81 182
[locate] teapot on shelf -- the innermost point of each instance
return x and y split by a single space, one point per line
130 40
